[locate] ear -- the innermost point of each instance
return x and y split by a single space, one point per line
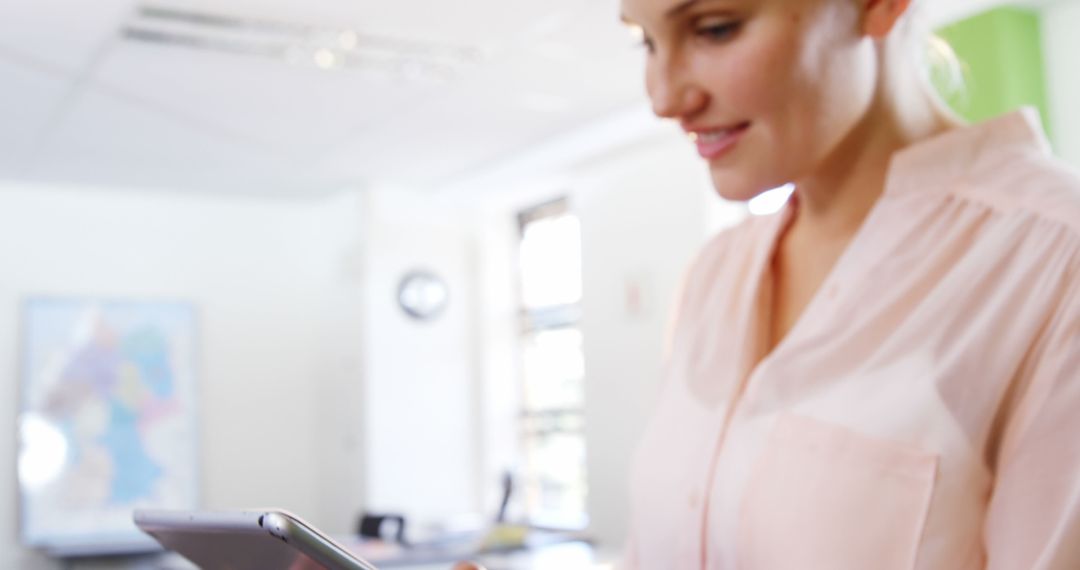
881 16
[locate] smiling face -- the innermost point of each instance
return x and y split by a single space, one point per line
766 89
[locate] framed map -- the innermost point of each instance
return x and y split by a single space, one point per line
107 420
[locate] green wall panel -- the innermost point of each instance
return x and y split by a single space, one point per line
1001 55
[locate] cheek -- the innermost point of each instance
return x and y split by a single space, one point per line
759 69
761 81
756 86
753 77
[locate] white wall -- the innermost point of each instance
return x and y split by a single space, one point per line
274 293
1061 43
421 425
497 331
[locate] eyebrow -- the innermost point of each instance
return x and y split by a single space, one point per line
680 8
671 12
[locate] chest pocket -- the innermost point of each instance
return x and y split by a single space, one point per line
823 497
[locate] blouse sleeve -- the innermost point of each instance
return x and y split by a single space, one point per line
1033 521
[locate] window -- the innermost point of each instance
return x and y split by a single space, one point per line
553 369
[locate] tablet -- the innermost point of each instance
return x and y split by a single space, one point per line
247 540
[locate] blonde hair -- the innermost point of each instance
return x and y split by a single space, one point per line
941 70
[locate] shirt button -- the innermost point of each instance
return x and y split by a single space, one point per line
694 499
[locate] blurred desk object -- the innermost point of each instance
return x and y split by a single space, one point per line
534 551
562 556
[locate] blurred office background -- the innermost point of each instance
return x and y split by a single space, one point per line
283 166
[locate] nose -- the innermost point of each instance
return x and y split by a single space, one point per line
671 89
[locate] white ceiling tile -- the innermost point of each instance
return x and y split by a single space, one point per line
299 111
28 99
455 135
484 22
167 116
108 141
64 33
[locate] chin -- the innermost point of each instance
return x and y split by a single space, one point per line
736 189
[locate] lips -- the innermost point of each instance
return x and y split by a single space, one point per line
712 143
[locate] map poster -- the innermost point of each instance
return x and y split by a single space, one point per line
106 421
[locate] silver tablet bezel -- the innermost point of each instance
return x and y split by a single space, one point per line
274 523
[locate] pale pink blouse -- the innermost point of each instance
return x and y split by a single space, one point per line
924 412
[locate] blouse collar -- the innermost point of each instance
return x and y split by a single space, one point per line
954 155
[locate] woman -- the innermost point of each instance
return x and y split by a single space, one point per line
885 375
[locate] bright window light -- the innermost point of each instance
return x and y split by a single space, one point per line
550 258
772 201
44 452
552 475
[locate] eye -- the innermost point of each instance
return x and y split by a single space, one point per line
716 29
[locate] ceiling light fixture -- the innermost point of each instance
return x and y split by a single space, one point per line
324 47
325 59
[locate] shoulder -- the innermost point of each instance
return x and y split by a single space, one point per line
1031 182
1035 198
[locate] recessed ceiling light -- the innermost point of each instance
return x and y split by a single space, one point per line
325 59
348 40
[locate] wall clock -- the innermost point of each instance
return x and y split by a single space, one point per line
422 295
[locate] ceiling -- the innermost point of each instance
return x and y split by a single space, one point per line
82 102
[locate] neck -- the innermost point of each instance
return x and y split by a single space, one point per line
836 198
